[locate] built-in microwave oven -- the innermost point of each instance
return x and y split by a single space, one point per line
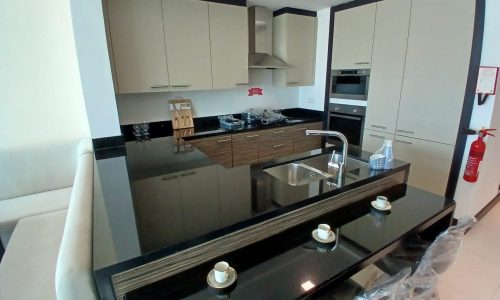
350 84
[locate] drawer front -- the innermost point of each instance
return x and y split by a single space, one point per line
243 139
271 148
307 144
281 132
300 130
217 148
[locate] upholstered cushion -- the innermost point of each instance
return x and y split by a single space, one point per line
39 168
27 268
12 210
74 277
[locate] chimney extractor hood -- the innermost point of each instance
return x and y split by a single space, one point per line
260 31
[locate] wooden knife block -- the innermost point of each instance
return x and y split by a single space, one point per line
182 114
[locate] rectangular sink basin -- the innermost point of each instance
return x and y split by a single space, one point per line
297 173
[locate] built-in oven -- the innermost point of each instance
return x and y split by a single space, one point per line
349 120
350 84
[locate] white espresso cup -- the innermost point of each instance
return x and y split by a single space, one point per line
381 201
220 271
323 231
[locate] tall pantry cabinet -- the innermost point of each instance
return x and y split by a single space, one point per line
419 70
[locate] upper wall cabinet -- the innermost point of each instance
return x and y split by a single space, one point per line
437 64
188 44
138 44
229 45
388 63
294 41
353 37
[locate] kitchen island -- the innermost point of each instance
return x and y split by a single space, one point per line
162 213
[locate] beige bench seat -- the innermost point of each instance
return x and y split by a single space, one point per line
27 268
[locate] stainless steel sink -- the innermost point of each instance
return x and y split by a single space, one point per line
297 173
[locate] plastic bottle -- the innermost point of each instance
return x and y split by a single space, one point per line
389 156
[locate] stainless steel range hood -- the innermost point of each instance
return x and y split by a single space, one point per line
260 27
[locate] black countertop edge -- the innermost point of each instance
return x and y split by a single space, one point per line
209 126
106 272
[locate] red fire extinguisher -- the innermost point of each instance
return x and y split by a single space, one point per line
476 154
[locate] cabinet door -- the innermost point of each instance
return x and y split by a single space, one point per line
229 45
138 44
373 140
430 162
353 37
200 200
159 211
188 44
235 194
437 64
388 61
294 41
303 142
246 148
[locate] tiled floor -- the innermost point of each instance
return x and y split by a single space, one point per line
476 272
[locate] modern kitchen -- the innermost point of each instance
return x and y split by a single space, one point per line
285 149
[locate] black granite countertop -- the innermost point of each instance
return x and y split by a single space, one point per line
278 267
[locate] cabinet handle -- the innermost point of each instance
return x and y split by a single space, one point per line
292 82
224 141
378 126
377 136
242 83
300 129
405 131
252 136
278 146
188 173
362 63
159 86
404 142
166 178
277 132
181 85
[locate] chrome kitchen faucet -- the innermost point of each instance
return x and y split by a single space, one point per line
334 157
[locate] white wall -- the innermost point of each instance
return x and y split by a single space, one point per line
95 70
313 97
41 99
151 107
472 197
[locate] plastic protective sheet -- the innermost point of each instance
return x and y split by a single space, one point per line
423 282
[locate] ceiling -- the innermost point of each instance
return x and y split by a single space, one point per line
302 4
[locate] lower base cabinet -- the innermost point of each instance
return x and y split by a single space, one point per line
430 162
259 145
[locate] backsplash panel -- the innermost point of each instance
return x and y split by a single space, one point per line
153 107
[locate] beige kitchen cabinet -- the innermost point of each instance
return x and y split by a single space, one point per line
373 140
388 63
436 70
187 42
138 45
353 37
159 211
294 41
200 210
229 45
430 162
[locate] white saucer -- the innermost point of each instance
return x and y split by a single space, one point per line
386 208
230 279
330 239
